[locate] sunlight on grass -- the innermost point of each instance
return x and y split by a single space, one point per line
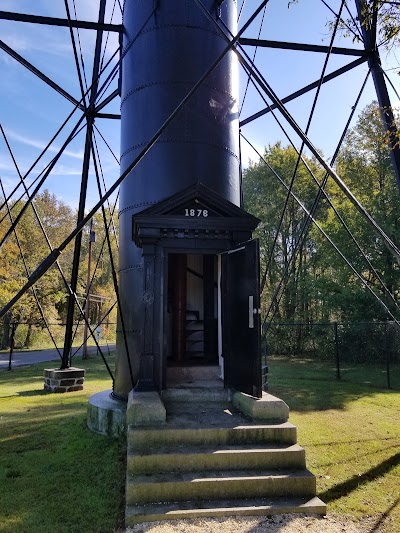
351 433
55 475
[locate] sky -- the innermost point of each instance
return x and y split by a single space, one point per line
31 112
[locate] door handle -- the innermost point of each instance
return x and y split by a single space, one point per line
251 312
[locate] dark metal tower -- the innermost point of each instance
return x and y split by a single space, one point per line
175 45
180 124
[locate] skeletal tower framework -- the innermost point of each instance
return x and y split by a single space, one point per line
95 103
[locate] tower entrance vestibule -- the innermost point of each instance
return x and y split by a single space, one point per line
192 309
200 291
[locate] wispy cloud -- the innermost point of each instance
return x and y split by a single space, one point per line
40 145
6 166
64 170
29 42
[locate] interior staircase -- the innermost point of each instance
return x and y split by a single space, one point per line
194 335
208 460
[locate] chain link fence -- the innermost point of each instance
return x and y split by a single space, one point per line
361 352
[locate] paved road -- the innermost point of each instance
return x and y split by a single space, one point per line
40 356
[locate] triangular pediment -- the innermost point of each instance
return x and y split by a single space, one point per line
194 213
197 201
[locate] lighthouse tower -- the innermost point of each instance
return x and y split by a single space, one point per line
188 269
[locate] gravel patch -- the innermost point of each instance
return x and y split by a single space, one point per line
273 524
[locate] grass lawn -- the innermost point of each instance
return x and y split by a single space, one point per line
56 476
351 433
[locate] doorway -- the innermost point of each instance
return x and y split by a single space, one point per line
192 310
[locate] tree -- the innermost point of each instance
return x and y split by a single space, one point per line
265 198
365 165
322 287
57 220
387 16
102 293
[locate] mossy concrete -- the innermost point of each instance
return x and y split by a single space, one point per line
210 459
220 484
267 408
174 435
106 415
205 458
145 409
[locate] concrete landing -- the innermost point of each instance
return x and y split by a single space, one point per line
177 374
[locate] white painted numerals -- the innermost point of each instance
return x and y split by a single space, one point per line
196 212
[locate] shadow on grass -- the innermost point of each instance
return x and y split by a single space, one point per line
345 488
40 427
385 515
37 392
307 385
310 395
34 392
355 457
45 411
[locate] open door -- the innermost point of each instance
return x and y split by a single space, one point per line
240 295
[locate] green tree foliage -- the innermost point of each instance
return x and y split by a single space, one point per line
387 18
366 166
57 221
322 286
265 198
102 286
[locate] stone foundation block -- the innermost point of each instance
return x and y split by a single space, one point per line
67 380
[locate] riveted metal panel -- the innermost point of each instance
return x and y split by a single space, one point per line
163 60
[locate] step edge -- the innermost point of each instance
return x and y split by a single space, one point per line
239 503
229 476
313 506
241 448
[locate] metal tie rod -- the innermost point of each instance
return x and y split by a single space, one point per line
51 258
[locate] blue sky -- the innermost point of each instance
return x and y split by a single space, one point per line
31 112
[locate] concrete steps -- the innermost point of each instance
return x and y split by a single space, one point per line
193 486
208 460
150 439
176 398
222 508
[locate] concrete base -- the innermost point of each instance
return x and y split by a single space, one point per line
268 408
106 415
145 409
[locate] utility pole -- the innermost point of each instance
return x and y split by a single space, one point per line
92 239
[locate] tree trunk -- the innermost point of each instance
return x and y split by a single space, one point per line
28 336
6 331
